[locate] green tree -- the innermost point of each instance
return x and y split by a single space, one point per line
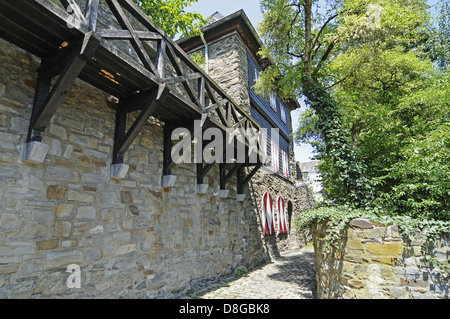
314 47
172 17
439 39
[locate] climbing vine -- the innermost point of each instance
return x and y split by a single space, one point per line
353 185
340 216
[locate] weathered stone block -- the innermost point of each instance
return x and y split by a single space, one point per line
224 193
63 228
385 249
96 230
8 140
64 258
64 210
86 212
241 197
118 171
47 244
43 216
56 192
11 221
58 131
386 260
126 197
133 210
80 197
168 181
93 254
125 249
202 188
34 152
6 157
354 244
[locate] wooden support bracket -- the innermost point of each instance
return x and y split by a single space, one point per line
225 176
148 102
67 63
243 180
168 180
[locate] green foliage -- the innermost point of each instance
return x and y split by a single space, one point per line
345 57
199 58
171 16
421 179
340 216
345 179
439 38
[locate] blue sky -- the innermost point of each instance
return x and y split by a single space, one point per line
303 153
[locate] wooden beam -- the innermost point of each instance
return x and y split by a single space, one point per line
91 13
135 41
42 90
228 175
126 35
222 174
150 100
119 135
182 78
72 7
161 58
201 91
46 107
202 171
179 70
244 181
167 150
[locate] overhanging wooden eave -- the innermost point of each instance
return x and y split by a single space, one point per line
70 49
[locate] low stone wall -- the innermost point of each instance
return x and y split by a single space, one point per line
378 263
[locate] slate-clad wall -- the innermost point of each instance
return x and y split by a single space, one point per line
264 103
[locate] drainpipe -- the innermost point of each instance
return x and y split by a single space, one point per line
206 54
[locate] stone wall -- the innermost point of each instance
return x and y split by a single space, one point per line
228 66
131 237
378 263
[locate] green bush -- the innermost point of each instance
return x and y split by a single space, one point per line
421 179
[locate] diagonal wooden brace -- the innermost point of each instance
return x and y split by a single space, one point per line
148 102
243 180
47 98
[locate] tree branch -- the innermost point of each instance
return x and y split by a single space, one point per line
323 28
324 57
338 82
288 51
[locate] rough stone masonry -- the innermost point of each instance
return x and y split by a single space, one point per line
131 238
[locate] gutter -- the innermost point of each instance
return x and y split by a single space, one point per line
206 54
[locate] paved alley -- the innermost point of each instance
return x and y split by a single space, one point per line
290 276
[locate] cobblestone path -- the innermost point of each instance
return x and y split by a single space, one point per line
290 276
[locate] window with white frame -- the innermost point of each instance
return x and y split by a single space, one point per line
273 102
263 146
285 164
275 157
283 113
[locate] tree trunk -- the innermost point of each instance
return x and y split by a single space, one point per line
308 37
